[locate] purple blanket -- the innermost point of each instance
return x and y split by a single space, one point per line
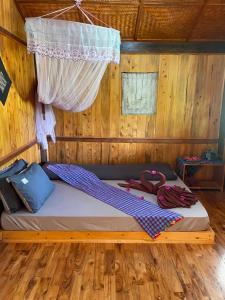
151 217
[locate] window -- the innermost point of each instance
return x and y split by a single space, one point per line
139 92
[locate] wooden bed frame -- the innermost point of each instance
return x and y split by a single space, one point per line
202 237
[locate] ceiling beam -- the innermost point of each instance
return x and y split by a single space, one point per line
173 47
9 34
197 20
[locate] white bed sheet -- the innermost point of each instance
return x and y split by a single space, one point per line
72 210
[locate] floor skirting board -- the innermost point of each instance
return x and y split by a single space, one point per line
202 237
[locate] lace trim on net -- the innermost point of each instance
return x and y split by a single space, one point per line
94 54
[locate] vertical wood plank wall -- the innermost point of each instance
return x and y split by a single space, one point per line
17 127
221 146
190 89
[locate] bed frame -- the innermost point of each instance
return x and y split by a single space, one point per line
201 237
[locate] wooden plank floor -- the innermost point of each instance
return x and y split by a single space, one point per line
107 271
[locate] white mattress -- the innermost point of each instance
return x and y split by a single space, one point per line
69 209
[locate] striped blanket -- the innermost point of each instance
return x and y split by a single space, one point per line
151 217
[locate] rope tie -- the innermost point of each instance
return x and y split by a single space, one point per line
77 4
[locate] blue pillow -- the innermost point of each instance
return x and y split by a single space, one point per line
33 186
14 168
8 197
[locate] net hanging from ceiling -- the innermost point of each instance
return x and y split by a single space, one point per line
71 59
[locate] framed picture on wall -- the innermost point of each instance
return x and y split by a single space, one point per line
139 93
5 83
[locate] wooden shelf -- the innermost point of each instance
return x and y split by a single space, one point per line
209 164
207 175
204 185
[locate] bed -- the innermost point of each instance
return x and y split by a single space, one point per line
68 209
71 212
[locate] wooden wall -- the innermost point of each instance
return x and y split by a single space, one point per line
187 120
17 136
221 146
11 19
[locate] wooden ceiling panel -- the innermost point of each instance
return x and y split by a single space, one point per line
174 2
150 20
215 2
71 2
211 24
121 17
167 22
30 9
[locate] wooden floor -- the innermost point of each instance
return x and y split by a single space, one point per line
107 271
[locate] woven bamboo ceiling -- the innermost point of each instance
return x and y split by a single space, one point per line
145 20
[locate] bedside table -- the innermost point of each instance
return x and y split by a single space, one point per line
202 174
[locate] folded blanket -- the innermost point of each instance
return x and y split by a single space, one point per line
151 217
167 196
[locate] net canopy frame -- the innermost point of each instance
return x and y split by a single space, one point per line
71 59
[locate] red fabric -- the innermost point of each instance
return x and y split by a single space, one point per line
175 196
167 196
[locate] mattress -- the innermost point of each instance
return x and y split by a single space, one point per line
68 209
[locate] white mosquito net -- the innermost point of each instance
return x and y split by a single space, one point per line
71 59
